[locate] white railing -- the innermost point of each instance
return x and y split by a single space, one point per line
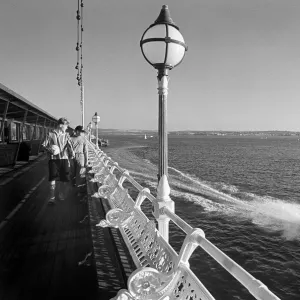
161 272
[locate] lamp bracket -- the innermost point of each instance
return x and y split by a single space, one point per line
162 71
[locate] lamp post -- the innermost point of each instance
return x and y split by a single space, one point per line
163 47
89 130
96 120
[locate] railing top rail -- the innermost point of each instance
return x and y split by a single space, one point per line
178 221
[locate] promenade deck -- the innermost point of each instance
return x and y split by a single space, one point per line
41 245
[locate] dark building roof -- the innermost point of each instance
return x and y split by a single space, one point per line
18 105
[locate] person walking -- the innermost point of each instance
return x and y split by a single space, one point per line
58 145
72 162
81 158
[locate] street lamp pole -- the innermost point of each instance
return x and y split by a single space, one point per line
79 49
163 47
96 120
89 130
82 103
162 78
97 135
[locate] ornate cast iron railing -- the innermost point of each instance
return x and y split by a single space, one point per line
161 272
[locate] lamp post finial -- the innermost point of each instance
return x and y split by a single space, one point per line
165 17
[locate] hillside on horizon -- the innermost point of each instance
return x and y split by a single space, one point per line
202 132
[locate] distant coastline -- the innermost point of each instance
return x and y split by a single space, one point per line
203 133
239 133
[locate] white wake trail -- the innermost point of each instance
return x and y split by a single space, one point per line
266 212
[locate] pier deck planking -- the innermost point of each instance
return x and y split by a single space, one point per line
41 245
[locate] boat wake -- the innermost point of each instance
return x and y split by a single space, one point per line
266 212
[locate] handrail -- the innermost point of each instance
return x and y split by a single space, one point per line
195 237
255 287
178 221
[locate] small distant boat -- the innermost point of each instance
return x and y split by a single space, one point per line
103 143
145 136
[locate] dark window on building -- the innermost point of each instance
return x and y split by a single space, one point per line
14 127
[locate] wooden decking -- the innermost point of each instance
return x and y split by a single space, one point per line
41 245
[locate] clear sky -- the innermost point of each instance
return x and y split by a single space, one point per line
241 72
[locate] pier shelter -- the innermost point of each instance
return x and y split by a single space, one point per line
23 125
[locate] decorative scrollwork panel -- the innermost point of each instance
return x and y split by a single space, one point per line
189 287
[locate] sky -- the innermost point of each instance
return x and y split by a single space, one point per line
241 70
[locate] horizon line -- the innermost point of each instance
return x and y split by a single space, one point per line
192 130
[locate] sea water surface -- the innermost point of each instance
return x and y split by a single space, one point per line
244 192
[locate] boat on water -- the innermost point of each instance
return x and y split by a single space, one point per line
103 143
145 138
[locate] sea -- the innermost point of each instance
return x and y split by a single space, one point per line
243 191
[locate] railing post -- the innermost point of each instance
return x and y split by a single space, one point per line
163 200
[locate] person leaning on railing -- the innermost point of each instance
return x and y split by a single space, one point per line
81 158
59 148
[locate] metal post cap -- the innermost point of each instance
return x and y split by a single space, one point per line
165 17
